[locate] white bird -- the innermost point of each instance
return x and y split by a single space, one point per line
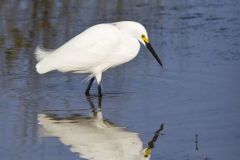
95 138
95 50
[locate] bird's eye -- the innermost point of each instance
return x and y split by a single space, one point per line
143 36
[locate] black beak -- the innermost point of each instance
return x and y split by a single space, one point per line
149 46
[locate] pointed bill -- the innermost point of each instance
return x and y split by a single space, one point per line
149 46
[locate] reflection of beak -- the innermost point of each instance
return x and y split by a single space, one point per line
151 143
149 46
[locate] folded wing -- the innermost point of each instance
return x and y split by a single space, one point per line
82 53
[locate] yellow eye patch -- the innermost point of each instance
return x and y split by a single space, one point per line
148 152
145 39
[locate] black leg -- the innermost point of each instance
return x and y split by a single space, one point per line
99 102
89 86
94 109
91 103
99 90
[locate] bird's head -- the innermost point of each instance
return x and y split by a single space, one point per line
146 153
138 31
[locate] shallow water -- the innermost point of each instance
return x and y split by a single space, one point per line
196 93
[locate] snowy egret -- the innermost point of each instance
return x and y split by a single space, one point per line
95 138
95 50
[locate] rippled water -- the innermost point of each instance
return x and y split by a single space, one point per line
197 93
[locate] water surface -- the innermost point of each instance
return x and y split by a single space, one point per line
196 93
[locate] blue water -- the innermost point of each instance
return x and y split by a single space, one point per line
196 93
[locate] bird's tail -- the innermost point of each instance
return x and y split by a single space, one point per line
41 53
44 59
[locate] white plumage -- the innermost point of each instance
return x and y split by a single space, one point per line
94 138
95 50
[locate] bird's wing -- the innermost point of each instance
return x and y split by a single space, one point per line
89 48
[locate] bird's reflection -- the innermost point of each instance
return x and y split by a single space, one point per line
95 138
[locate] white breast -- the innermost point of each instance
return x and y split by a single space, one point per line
127 50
